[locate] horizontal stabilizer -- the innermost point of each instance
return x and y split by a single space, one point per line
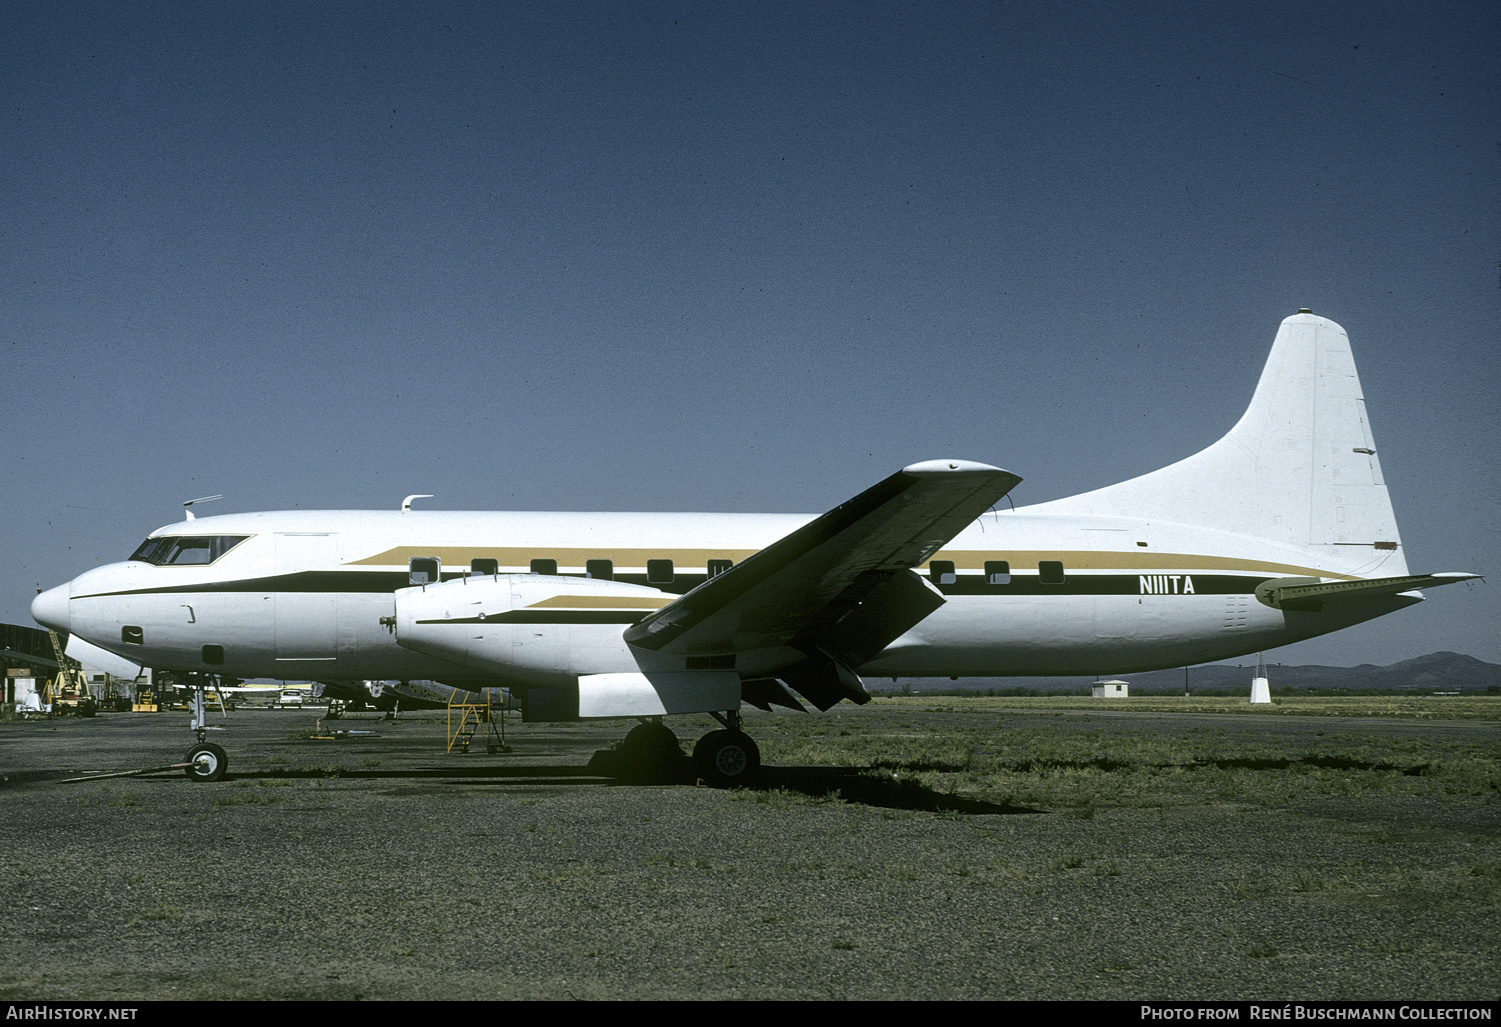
1311 594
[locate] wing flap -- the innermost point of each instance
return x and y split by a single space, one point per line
825 569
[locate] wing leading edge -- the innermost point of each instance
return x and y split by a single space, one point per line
836 591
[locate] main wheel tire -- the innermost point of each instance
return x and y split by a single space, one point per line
727 759
207 762
651 753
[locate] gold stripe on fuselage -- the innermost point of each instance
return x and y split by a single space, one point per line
963 560
605 602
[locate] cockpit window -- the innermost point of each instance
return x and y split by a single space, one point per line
186 550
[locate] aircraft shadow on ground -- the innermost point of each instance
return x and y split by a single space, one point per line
876 788
869 787
881 785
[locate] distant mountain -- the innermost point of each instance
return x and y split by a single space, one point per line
1436 672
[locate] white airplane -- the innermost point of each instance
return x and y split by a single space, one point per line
1280 531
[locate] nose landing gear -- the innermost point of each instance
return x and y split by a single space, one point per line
205 761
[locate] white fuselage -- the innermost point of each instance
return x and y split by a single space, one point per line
304 594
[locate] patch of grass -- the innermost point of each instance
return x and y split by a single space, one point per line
1078 766
1241 890
780 798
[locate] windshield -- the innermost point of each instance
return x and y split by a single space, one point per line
185 549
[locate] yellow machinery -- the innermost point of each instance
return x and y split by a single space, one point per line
68 690
466 718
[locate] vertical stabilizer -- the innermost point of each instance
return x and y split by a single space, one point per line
1299 468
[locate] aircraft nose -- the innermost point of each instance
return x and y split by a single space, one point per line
51 608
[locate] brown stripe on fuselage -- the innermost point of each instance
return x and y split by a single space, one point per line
963 560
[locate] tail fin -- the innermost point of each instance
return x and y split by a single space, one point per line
1299 468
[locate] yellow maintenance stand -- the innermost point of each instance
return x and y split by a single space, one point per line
466 718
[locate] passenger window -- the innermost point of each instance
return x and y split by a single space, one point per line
544 567
941 572
604 570
423 570
718 567
213 654
132 635
997 572
1050 572
659 572
486 567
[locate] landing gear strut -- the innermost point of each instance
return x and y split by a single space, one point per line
205 761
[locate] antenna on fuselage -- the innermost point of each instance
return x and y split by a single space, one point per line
187 507
406 504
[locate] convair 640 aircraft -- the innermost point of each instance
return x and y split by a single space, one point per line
1280 531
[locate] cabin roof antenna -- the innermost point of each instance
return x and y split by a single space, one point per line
187 508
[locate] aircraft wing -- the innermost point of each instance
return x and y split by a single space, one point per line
1311 594
794 592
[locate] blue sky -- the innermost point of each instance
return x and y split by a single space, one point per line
731 257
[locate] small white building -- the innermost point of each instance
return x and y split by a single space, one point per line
1109 689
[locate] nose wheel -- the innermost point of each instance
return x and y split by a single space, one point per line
206 762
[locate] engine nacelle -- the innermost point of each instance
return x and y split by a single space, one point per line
532 629
559 638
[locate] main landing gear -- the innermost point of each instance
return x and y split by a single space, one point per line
728 758
650 754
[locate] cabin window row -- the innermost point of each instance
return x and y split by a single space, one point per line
426 570
997 572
